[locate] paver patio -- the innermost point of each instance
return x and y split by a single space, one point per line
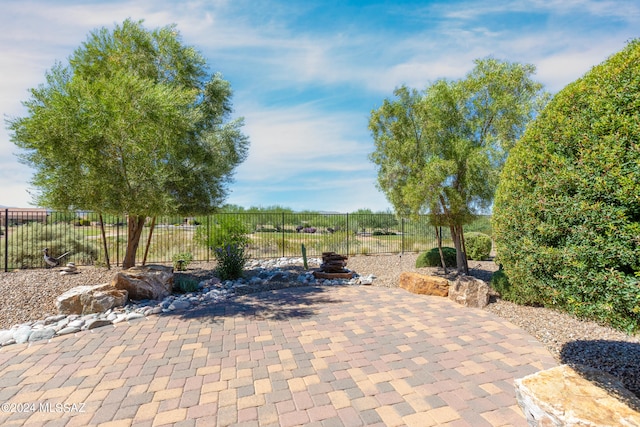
314 356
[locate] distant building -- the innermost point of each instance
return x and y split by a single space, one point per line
19 216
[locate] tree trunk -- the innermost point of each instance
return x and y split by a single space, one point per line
461 256
104 242
135 224
146 249
439 239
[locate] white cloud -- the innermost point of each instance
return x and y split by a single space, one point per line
293 140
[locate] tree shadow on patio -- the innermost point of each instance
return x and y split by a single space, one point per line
278 304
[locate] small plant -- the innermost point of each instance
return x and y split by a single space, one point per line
185 285
431 258
182 260
478 245
304 257
231 260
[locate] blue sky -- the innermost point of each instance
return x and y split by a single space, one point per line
306 74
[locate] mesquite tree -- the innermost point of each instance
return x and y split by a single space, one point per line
133 124
440 151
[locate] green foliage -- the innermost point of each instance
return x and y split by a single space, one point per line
524 295
185 284
181 260
231 260
441 150
478 245
481 224
304 257
226 229
567 211
136 118
431 258
59 238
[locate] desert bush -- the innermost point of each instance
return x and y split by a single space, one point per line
566 218
185 285
182 260
431 258
227 230
231 260
478 245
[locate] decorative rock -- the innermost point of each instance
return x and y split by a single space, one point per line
145 282
42 334
54 319
68 330
366 280
21 335
562 396
69 269
470 292
96 323
5 336
134 316
179 305
425 285
90 299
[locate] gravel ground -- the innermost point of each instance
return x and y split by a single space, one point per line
28 295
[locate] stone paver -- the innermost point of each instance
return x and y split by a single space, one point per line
306 356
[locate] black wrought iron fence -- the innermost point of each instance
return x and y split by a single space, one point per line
25 233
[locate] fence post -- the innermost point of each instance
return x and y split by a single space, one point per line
402 238
6 240
117 241
347 254
282 234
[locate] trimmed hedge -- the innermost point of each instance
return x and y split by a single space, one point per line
431 258
566 217
478 245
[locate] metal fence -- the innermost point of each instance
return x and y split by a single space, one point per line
25 233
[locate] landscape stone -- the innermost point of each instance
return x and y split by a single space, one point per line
96 323
5 336
42 334
68 330
564 396
21 335
90 299
152 282
424 285
469 292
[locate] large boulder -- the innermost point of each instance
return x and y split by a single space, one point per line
153 282
90 299
587 397
425 285
470 292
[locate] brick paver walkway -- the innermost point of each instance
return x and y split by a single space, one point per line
343 356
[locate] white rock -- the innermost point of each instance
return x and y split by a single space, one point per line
42 334
68 330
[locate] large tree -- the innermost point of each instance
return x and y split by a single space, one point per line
134 124
440 151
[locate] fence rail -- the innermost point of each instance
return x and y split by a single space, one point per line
25 233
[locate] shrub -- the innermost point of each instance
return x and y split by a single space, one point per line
566 218
231 260
431 258
478 245
227 230
182 260
185 285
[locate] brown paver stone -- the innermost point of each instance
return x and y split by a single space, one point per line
301 356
